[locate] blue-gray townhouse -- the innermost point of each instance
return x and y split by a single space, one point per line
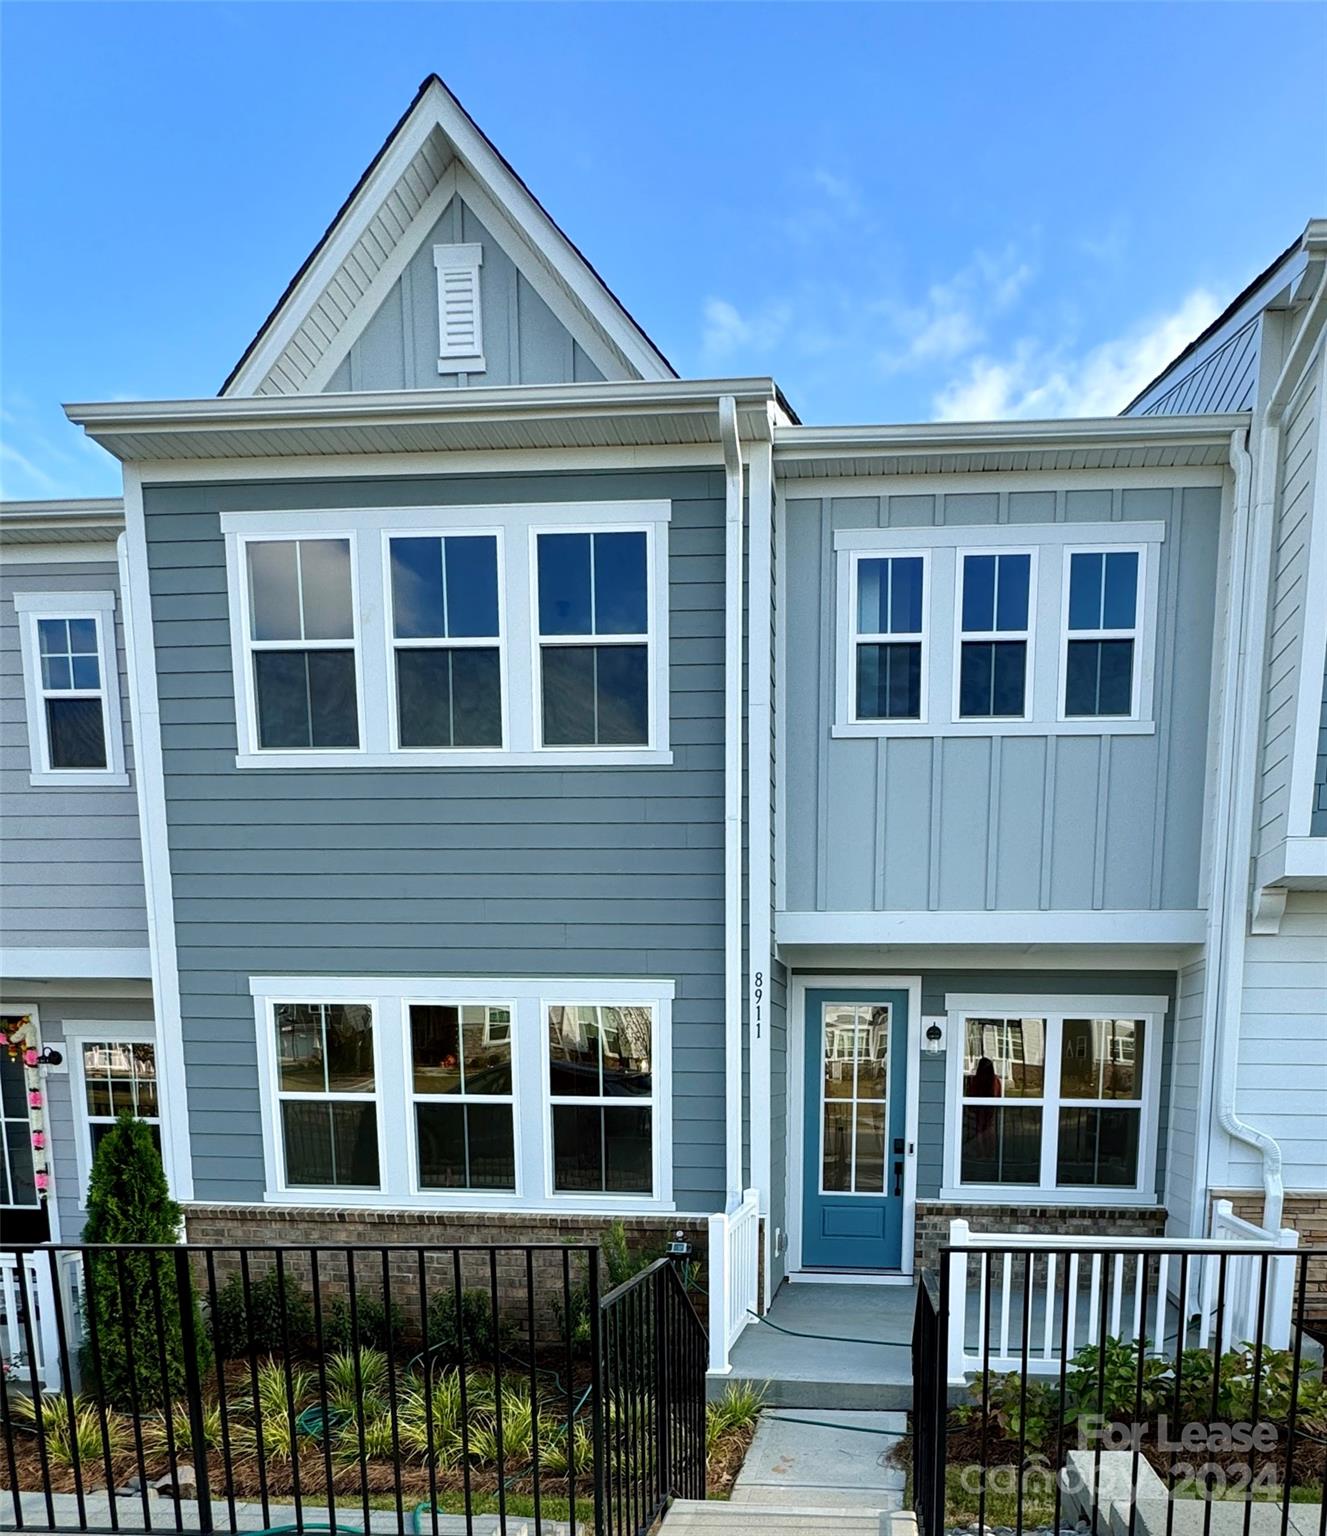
510 787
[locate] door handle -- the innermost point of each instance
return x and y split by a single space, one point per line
898 1178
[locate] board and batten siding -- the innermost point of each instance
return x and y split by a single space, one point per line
502 872
999 822
71 867
524 342
1300 446
1225 380
1190 1073
1318 815
1281 1083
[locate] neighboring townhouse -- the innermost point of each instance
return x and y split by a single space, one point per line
574 792
1259 1053
76 1004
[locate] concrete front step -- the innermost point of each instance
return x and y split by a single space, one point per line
696 1517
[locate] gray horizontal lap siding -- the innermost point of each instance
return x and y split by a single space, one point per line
71 869
1001 822
506 872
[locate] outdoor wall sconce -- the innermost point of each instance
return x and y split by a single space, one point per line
933 1040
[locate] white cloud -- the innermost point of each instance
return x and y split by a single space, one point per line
727 331
950 321
1034 380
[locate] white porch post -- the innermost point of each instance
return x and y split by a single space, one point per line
960 1235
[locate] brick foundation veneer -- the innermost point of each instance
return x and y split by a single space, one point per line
251 1226
1306 1212
1069 1221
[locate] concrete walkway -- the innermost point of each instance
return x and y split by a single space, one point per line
828 1471
820 1361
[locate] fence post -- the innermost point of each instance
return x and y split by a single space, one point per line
663 1385
193 1387
954 1320
596 1393
720 1282
1281 1291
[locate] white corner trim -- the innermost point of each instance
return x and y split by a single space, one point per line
42 964
150 784
734 990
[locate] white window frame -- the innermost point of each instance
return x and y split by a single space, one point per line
1054 1010
855 637
606 998
539 641
395 644
464 262
414 1098
99 609
944 546
77 1034
529 1000
247 648
375 668
273 1096
1135 633
1027 635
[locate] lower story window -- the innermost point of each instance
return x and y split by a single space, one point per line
1058 1100
119 1076
467 1093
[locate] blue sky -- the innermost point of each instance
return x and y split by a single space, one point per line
903 212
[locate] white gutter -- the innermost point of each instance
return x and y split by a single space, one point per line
797 442
150 790
1241 736
732 799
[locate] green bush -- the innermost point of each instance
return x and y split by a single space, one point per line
619 1265
370 1325
258 1324
474 1329
135 1299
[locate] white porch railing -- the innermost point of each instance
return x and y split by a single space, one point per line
734 1276
1136 1280
41 1325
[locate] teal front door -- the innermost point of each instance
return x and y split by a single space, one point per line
856 1069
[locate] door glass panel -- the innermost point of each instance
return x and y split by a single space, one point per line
854 1086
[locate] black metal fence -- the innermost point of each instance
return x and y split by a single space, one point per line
652 1400
407 1388
1117 1385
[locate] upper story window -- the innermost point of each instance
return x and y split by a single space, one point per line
446 641
71 688
994 630
451 636
301 639
594 638
1101 633
1052 1097
1004 630
890 637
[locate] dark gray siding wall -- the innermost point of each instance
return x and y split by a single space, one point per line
71 869
931 1082
1057 822
501 872
1224 380
524 342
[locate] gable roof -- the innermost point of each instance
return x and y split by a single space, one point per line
392 205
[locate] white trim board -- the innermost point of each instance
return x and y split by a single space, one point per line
56 965
798 986
1141 928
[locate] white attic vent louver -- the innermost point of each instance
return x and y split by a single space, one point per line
460 330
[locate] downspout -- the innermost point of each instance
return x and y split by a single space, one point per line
732 799
1251 565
